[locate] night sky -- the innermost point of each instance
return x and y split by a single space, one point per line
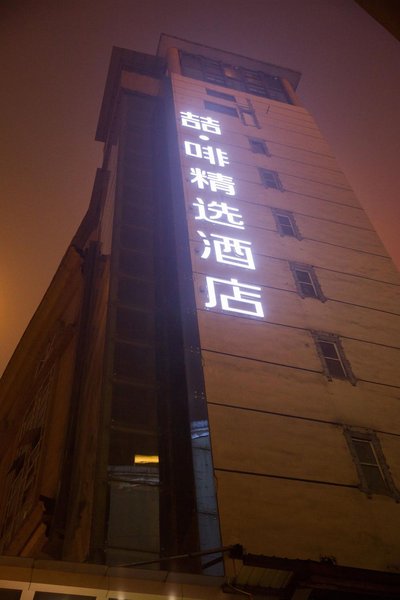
55 57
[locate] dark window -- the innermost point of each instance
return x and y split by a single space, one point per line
227 110
306 281
55 596
248 117
258 146
234 77
335 363
374 474
285 223
9 594
270 179
220 95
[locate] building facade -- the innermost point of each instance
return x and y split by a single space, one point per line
206 400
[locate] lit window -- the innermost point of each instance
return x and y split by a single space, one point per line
270 179
258 146
226 110
372 469
285 223
306 281
334 361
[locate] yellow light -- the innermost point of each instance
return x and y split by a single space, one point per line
141 459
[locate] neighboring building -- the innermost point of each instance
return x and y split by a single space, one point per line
210 388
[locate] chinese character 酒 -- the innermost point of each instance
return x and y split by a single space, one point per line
228 251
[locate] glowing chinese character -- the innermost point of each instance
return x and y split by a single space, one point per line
210 125
207 124
214 156
219 213
228 251
188 119
244 300
216 181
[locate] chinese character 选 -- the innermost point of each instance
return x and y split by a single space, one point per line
219 213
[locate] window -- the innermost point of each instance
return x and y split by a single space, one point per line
334 361
372 469
306 281
227 110
248 117
258 146
270 179
285 223
234 77
220 95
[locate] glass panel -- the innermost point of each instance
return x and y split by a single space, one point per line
135 238
134 325
136 293
51 596
220 95
6 594
258 146
329 349
308 290
134 519
375 480
335 368
134 405
365 451
126 444
227 110
136 264
134 362
303 276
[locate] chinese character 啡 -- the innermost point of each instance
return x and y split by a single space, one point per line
214 156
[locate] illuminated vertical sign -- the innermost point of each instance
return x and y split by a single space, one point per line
228 294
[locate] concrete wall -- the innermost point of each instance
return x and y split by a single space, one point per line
287 483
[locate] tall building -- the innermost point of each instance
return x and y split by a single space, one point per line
206 401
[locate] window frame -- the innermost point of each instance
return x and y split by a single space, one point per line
250 112
221 95
294 267
260 143
230 111
332 338
263 173
352 434
235 77
277 212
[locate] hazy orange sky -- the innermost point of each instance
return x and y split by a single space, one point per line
55 57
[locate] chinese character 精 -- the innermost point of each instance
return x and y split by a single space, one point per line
216 181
